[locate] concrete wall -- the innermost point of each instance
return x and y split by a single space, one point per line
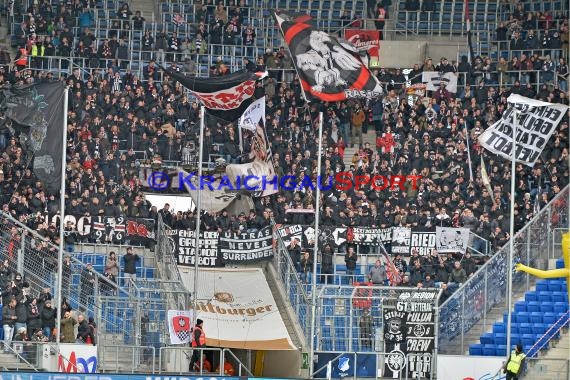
283 364
404 54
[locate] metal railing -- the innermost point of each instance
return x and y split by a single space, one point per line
553 333
127 359
297 291
487 288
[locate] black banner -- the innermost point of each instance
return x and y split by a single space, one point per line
104 229
246 247
183 245
394 337
369 236
40 107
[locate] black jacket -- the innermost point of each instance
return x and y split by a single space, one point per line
48 317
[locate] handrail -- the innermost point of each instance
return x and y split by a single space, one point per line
20 356
227 350
470 280
546 341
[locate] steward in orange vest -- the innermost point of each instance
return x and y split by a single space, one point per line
198 341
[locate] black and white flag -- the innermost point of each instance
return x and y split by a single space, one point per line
40 107
434 79
534 121
448 239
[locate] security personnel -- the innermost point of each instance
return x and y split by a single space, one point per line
514 363
22 59
198 341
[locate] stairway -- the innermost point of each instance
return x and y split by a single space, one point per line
148 9
553 365
369 137
11 362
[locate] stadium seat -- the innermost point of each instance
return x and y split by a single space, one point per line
547 307
525 328
535 317
476 349
559 297
532 306
542 286
560 307
502 350
523 317
489 350
560 263
526 340
531 296
539 328
521 306
487 338
498 327
549 318
499 338
545 296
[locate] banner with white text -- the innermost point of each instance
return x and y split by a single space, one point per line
246 246
534 122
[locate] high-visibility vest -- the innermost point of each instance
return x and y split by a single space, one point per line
38 50
23 60
202 339
515 362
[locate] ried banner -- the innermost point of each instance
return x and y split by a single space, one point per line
406 240
247 246
534 121
367 41
238 309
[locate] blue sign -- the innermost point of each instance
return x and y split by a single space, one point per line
345 365
94 376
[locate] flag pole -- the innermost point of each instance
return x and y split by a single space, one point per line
61 223
468 153
198 212
510 258
316 250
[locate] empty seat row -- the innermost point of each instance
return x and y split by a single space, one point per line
546 296
544 307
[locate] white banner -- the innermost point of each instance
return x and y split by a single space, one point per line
458 367
260 166
238 309
253 115
535 122
211 198
77 358
179 326
433 79
450 239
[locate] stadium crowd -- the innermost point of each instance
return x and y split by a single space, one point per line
116 113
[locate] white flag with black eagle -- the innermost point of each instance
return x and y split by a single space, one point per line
534 122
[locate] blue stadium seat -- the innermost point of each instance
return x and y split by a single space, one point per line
549 318
526 340
559 297
502 350
539 328
487 338
476 349
523 317
532 306
542 286
525 328
499 338
498 327
560 263
531 296
489 350
536 317
546 296
547 307
521 306
555 286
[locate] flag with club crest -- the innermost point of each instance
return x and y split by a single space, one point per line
329 68
179 326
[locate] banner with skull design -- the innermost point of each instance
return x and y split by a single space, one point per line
179 326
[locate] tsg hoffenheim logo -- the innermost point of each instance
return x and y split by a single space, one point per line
343 364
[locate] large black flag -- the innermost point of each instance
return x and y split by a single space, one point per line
225 97
40 107
330 69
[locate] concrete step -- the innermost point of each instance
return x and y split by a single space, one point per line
369 137
551 364
11 362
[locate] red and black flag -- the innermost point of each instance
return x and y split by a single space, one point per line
225 97
330 69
